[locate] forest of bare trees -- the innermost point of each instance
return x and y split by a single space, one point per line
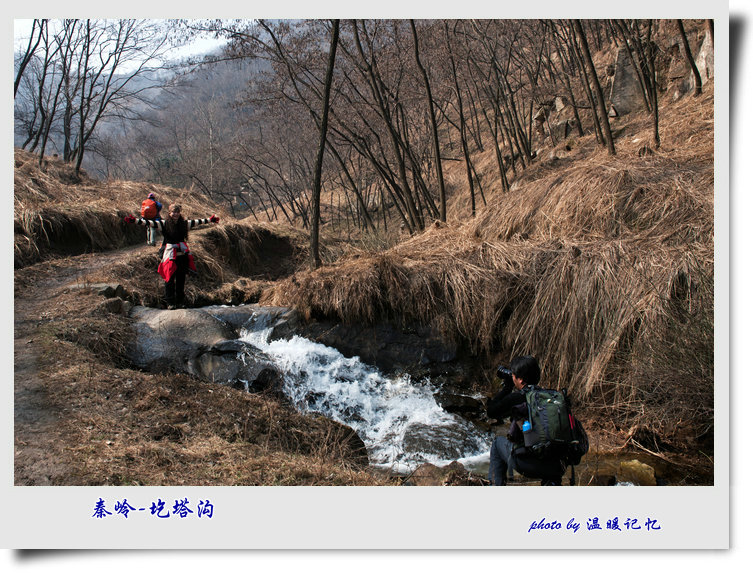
397 99
74 74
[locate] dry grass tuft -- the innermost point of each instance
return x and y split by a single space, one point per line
257 250
57 212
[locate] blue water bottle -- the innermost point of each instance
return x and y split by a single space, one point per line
529 437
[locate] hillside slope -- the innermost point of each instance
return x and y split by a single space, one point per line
602 266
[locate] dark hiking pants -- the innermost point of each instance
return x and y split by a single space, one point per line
502 460
174 289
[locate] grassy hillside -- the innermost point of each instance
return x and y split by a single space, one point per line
602 266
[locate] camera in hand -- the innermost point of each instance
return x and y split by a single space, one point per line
505 374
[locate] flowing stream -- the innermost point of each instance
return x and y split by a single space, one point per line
398 418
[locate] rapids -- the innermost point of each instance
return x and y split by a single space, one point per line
398 418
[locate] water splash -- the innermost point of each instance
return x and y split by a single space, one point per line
398 418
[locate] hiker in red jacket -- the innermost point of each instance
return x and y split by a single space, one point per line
150 209
177 259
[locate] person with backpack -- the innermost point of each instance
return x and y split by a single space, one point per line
150 209
543 438
176 258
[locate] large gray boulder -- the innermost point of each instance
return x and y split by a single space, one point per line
282 322
168 339
203 344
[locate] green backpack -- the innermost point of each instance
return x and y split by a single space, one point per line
554 430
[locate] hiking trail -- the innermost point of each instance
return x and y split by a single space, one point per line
37 433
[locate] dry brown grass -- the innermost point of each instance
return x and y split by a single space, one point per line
119 426
125 427
600 266
57 212
573 305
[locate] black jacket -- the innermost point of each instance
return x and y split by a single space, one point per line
509 402
173 232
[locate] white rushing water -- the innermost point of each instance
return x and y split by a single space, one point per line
398 419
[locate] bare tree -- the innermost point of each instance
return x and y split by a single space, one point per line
461 118
108 49
36 106
636 35
596 85
382 97
567 69
316 192
434 131
38 28
99 69
689 57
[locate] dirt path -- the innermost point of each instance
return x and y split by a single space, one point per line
36 424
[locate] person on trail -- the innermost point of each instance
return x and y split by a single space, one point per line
508 452
150 209
177 259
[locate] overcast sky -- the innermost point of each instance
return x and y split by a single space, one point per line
22 30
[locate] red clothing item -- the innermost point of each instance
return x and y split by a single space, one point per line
169 265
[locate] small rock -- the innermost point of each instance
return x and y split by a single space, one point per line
427 475
106 289
460 404
114 305
637 473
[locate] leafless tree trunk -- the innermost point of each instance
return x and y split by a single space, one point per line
597 86
377 86
567 69
91 56
579 60
434 132
654 84
352 184
636 34
37 29
316 192
461 118
689 57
